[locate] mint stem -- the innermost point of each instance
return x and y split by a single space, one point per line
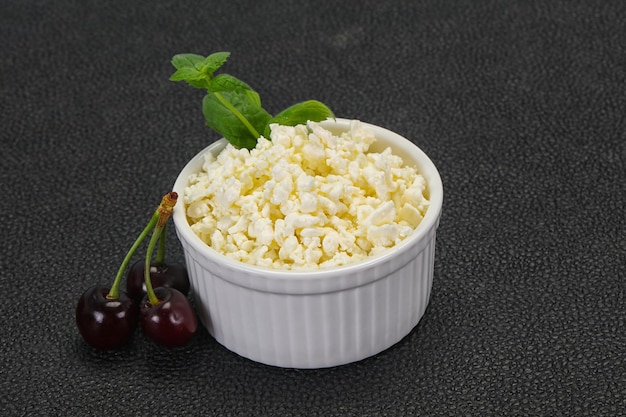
237 114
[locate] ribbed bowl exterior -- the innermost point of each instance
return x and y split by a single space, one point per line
319 319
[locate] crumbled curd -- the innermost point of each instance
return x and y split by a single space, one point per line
305 199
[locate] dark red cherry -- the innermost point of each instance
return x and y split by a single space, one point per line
172 322
106 323
172 275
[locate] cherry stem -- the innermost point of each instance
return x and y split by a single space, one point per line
163 214
160 257
114 292
167 205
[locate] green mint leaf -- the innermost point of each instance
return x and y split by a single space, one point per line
188 69
225 82
197 70
186 74
187 61
213 62
192 76
301 113
235 116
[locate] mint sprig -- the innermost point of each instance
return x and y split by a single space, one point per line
231 107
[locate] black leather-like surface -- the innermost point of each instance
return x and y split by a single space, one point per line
520 104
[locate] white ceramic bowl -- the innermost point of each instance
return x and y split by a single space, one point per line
318 318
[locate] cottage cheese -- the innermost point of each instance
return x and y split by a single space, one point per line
305 199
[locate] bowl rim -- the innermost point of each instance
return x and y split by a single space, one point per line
244 274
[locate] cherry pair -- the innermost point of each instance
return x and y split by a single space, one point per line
156 296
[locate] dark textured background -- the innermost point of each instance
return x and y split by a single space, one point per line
520 104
